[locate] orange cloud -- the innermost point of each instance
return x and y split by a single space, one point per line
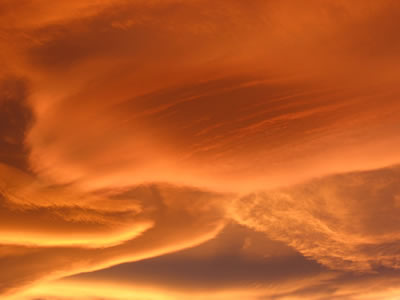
64 231
112 110
133 129
346 221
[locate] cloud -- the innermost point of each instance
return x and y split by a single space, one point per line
346 221
26 15
238 263
237 257
133 129
89 232
111 109
16 118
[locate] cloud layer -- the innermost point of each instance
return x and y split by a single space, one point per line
346 221
131 131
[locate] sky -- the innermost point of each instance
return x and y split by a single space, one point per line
198 149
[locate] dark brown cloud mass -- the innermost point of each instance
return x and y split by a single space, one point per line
199 149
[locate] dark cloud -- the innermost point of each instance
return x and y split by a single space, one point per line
15 120
236 257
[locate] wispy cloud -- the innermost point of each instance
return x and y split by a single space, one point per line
134 129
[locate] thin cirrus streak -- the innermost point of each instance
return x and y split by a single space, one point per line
199 149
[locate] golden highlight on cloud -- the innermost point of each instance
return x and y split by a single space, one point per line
199 149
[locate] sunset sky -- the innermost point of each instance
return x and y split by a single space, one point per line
199 149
